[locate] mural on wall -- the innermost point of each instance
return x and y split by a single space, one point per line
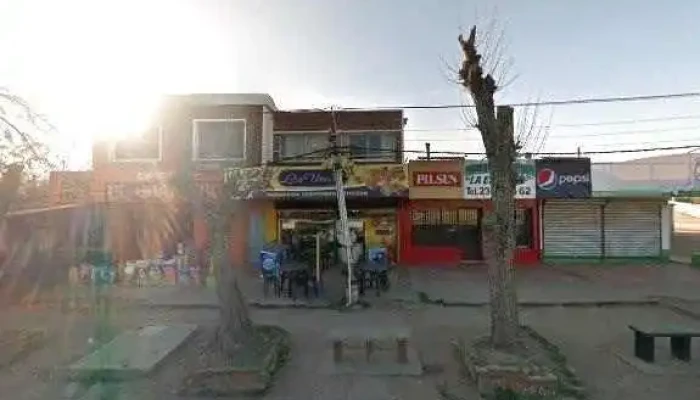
477 181
139 191
378 180
74 186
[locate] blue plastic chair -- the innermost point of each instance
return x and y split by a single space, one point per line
270 269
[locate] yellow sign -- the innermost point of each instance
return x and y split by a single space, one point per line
377 180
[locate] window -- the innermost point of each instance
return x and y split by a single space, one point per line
146 147
373 145
523 227
294 147
219 139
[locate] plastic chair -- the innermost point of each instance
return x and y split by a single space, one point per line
270 271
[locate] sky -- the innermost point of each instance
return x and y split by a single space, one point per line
97 67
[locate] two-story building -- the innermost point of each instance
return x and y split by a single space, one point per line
206 134
132 177
300 192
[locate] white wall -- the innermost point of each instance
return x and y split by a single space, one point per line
656 174
666 227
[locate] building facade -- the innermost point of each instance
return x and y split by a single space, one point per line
442 221
423 212
298 193
132 178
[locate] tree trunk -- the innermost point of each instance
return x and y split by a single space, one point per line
504 307
496 130
236 328
505 320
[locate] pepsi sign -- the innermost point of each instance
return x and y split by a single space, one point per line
564 178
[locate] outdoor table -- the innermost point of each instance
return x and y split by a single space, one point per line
290 271
375 271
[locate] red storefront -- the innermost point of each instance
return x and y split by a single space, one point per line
440 227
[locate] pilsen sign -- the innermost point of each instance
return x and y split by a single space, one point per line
437 178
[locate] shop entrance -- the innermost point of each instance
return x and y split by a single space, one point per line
370 229
457 228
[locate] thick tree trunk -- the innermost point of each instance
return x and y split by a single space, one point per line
497 135
236 328
503 301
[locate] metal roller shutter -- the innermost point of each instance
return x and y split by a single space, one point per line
632 229
572 229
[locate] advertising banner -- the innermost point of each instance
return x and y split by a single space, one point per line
436 179
371 181
477 181
564 178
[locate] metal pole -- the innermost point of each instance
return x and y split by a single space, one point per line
318 257
336 159
342 208
427 151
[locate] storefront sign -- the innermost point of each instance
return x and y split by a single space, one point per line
433 178
377 180
306 178
477 180
436 179
564 178
139 192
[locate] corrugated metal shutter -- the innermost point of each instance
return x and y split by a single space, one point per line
632 229
572 229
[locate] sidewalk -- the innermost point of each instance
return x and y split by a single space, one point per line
538 286
560 284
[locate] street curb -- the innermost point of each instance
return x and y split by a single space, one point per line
542 304
673 305
570 304
253 304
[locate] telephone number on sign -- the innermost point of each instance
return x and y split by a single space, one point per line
486 191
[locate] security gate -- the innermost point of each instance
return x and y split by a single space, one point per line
572 228
449 227
632 229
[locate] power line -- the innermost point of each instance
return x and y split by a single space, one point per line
628 121
578 125
590 100
381 151
599 134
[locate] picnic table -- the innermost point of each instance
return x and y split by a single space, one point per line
680 336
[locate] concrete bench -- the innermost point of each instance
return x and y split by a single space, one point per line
680 340
369 337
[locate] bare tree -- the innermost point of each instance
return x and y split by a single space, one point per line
496 127
25 150
236 330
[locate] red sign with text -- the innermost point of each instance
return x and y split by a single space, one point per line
434 178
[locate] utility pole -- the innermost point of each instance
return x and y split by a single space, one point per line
338 172
427 151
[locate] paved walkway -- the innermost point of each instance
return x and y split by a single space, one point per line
561 284
591 338
545 285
